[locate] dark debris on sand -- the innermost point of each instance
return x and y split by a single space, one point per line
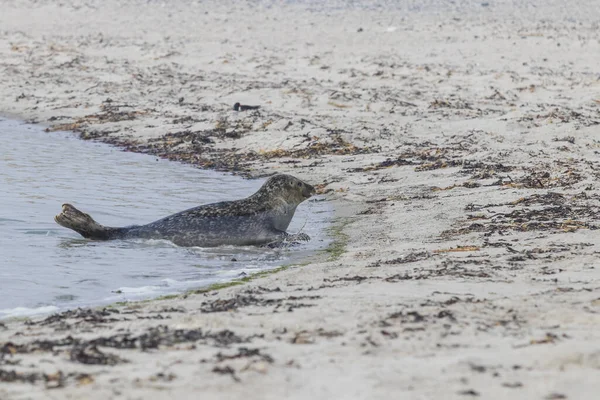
197 147
51 381
404 259
550 211
244 352
92 352
356 278
240 301
463 268
91 355
86 351
89 315
226 370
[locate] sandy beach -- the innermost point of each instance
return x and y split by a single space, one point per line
458 142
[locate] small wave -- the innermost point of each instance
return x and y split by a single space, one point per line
26 312
139 291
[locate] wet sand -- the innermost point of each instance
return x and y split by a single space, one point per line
458 143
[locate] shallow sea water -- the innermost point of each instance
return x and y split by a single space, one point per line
45 267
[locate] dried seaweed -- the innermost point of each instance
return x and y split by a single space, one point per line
226 370
562 116
223 305
244 352
85 315
538 212
90 354
82 350
239 301
357 279
404 259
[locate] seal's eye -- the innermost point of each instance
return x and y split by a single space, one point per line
299 184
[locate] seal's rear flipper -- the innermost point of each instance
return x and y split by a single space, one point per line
80 222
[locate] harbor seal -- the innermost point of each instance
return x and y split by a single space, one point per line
259 219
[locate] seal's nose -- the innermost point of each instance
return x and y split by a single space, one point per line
309 190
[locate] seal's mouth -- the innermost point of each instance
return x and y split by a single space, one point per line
308 191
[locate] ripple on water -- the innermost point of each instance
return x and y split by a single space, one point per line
44 268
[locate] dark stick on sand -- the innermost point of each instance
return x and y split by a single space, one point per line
241 107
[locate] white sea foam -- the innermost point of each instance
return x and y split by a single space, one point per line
26 312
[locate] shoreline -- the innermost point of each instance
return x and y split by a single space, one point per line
112 283
331 252
461 146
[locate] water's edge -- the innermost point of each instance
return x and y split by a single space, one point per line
336 247
318 255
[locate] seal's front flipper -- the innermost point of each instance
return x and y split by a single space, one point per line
288 240
298 237
82 223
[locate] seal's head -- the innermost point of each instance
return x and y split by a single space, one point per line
291 189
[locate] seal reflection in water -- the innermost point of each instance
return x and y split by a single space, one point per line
256 220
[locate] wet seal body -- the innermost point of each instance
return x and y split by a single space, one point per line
259 219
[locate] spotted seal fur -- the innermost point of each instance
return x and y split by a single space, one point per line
259 219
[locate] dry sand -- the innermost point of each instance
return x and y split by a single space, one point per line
458 141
